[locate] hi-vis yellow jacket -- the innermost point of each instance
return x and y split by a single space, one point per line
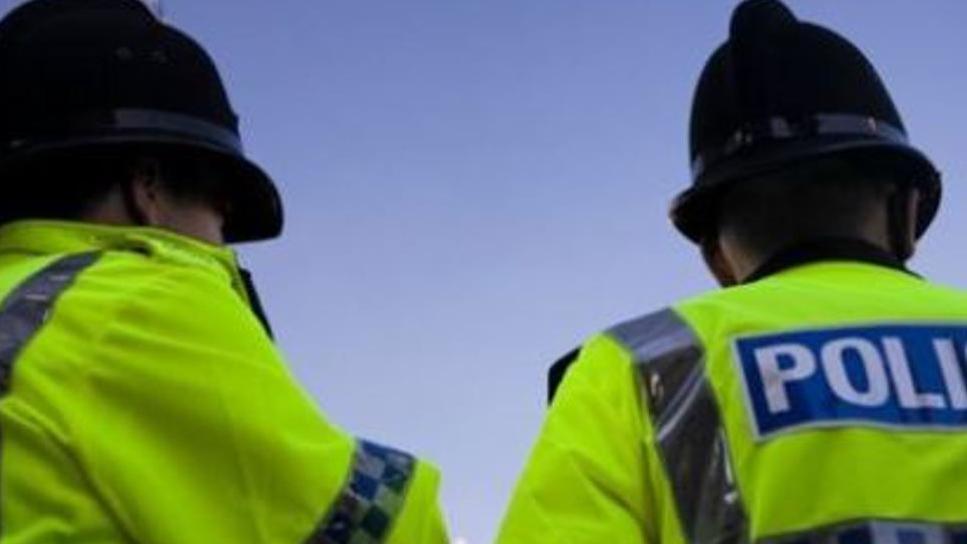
142 401
826 403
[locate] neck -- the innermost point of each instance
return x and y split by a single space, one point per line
825 249
194 220
744 261
111 211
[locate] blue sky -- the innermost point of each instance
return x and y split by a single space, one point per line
474 186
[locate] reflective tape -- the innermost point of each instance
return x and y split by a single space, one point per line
29 306
878 532
689 434
372 498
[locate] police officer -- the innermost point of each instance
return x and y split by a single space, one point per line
141 397
821 396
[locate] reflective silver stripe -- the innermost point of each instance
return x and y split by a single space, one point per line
372 498
878 532
776 129
689 433
27 308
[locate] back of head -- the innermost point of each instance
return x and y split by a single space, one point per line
96 83
811 202
782 105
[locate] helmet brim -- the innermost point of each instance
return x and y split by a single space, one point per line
694 212
254 206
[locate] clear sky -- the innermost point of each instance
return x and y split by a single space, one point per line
473 186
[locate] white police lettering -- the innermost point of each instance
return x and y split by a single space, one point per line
896 356
892 375
834 364
952 376
775 378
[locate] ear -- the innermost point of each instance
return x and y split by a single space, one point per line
903 210
144 194
716 262
913 219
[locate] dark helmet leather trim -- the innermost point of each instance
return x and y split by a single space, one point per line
125 123
776 129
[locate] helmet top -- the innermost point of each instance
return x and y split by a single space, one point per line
81 74
780 91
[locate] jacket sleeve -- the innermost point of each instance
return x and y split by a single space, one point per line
192 429
586 480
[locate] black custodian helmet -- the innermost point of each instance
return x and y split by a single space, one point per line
83 75
781 91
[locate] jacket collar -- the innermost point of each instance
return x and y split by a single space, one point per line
58 237
42 237
827 249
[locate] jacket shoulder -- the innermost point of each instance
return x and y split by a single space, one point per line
660 338
653 336
127 296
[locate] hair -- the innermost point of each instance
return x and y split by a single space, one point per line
828 198
70 186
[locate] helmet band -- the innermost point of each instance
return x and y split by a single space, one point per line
777 129
117 124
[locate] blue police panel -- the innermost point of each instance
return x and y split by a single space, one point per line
905 376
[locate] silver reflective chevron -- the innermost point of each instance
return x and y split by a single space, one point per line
29 306
689 433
